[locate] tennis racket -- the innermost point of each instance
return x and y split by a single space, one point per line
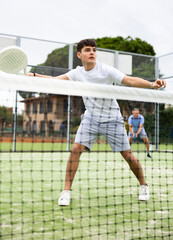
13 59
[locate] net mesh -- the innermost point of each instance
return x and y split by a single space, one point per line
105 191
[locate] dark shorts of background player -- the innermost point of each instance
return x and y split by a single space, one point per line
114 132
142 134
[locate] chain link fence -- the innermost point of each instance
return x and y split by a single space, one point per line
55 58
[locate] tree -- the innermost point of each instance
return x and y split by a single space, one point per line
165 122
59 58
6 116
126 44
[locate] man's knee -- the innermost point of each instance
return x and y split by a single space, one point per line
145 139
127 155
77 148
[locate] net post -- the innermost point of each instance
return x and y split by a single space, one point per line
70 66
156 108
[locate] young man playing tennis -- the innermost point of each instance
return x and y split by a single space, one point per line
101 116
136 129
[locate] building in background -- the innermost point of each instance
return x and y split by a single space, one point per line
46 115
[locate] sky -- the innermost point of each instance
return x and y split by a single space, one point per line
72 20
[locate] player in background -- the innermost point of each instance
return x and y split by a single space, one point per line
136 129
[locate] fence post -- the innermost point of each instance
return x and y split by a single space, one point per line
70 66
116 59
157 108
15 111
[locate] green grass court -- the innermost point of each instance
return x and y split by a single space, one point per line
104 197
63 146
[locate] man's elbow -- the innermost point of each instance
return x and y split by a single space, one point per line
128 81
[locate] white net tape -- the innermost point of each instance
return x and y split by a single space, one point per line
57 86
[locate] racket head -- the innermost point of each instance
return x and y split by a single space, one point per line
13 59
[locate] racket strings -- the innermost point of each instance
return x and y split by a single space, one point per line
12 61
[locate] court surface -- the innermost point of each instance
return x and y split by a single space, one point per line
104 197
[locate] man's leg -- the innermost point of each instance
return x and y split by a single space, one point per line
130 140
135 165
136 168
72 165
147 144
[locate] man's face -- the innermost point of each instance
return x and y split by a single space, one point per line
87 55
135 113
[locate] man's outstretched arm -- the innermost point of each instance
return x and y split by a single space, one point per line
63 76
141 83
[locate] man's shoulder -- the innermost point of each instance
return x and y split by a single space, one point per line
74 73
140 116
130 118
76 70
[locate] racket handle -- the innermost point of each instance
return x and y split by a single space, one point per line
134 137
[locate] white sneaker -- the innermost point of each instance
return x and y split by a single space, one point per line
144 194
65 198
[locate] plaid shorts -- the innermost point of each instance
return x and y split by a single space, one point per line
114 132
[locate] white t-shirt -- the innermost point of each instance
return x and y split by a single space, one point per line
101 109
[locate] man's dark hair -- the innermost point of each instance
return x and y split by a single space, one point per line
86 42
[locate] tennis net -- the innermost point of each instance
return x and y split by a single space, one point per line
39 122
